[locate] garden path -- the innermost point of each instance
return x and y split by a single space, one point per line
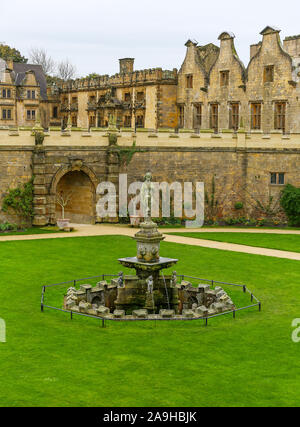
107 229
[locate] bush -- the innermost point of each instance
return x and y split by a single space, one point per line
167 221
236 221
290 202
6 226
238 206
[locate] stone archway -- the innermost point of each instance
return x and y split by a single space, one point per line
81 183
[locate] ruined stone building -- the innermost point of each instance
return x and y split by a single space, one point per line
213 90
212 118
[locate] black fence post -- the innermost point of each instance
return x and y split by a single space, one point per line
245 289
259 305
103 323
234 314
42 300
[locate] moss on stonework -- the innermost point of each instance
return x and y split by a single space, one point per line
126 153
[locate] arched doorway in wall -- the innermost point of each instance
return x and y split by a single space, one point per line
77 186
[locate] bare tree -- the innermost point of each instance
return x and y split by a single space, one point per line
39 56
66 70
63 199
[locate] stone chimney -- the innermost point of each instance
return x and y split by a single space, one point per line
292 45
9 64
126 65
254 48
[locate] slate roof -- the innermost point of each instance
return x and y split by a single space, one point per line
20 72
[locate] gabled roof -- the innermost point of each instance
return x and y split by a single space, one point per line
20 71
270 30
207 56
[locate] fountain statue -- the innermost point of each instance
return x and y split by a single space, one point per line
148 292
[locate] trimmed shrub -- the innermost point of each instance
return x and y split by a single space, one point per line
290 202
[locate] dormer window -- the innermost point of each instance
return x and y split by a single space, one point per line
269 74
224 78
31 94
189 81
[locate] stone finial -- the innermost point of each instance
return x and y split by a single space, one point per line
38 130
226 35
270 30
190 43
69 124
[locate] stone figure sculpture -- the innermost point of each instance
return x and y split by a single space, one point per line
146 196
150 284
174 278
121 280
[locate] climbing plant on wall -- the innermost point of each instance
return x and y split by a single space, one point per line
19 201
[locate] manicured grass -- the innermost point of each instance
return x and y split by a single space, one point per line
283 242
32 230
50 360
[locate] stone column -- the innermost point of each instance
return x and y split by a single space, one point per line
112 174
39 187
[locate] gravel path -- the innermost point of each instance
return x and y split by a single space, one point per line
102 230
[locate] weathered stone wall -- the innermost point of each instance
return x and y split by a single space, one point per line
188 96
166 106
233 92
240 164
271 53
53 168
245 86
15 170
240 175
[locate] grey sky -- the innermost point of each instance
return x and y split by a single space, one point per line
94 34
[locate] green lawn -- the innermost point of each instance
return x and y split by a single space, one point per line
50 360
283 242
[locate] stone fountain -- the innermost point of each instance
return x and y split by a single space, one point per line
148 293
148 288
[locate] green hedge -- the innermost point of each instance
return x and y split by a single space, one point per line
290 202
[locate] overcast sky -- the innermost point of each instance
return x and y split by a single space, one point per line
94 34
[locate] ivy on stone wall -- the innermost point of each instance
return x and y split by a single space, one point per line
126 153
20 201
